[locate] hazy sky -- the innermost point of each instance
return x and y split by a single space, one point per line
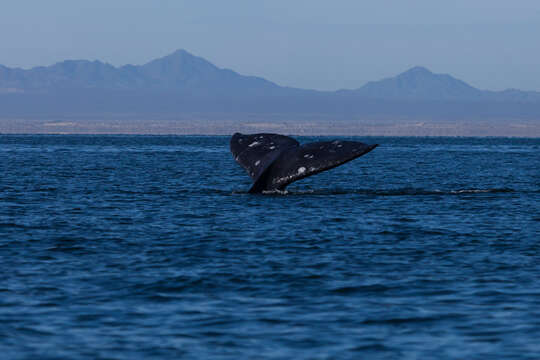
492 44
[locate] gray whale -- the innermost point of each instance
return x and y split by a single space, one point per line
274 161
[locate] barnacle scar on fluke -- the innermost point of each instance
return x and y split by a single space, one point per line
274 161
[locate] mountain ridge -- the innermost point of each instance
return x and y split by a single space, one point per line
182 71
177 71
181 83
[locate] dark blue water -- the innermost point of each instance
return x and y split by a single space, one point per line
136 247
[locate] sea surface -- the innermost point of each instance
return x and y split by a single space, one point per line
150 247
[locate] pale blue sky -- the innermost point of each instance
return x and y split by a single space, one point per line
321 44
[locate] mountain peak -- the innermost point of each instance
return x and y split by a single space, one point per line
179 67
417 70
182 56
420 83
417 73
178 54
181 52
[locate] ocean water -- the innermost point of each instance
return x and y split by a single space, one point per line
149 247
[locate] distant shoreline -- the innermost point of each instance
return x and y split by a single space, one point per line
280 124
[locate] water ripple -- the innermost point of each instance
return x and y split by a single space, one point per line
128 247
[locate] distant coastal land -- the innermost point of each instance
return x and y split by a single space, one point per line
185 94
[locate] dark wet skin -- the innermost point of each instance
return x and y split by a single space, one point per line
274 161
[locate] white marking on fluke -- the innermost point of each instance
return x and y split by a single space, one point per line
301 170
257 162
255 143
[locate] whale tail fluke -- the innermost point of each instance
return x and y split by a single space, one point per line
274 161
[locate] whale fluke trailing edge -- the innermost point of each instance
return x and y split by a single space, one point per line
274 161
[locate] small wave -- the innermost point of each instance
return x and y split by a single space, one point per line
275 192
387 192
474 191
44 189
349 290
22 226
116 149
411 320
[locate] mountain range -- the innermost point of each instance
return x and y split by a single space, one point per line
182 82
179 71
